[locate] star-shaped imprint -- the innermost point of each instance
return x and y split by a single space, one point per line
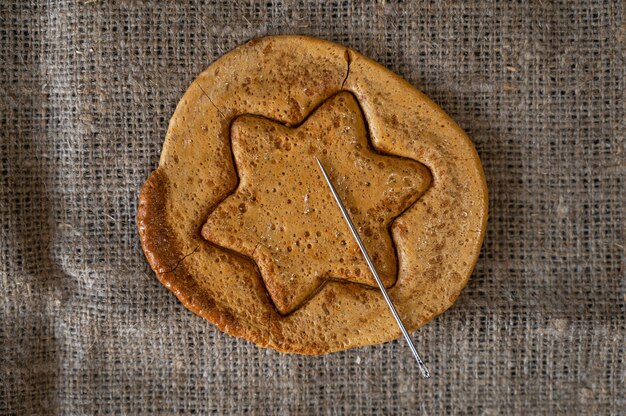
283 216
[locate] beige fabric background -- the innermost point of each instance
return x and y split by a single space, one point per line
87 92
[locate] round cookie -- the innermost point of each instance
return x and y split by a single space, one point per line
242 229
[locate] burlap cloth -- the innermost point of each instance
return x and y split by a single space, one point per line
87 92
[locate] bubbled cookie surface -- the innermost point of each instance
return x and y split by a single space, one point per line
237 222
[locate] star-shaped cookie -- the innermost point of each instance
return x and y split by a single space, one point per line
283 216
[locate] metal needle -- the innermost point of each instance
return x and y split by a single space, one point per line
370 264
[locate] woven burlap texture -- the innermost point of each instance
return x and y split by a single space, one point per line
86 328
